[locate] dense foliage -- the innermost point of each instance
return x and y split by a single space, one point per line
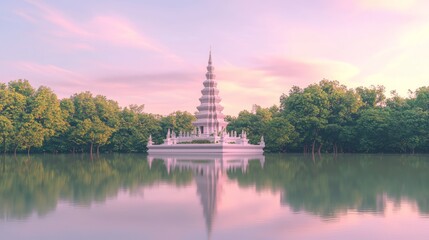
329 117
37 119
323 117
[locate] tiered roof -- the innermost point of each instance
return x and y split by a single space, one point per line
210 119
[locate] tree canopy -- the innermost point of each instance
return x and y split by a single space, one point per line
322 117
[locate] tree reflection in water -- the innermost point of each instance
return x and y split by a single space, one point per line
333 185
326 187
38 184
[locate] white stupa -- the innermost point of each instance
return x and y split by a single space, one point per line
209 135
210 119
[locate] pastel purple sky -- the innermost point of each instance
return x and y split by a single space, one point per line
155 52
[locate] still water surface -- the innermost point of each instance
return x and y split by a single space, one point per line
218 197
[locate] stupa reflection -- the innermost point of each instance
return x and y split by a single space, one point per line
209 171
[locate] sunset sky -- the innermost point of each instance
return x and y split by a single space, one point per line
155 52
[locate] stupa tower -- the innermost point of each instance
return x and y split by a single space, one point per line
209 117
210 121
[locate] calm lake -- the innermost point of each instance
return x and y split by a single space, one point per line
276 196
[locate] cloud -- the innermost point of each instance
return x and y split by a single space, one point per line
63 82
161 92
308 70
122 33
26 16
160 81
113 30
264 83
58 19
69 78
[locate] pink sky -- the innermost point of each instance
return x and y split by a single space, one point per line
155 52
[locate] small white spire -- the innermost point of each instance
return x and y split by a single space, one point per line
149 141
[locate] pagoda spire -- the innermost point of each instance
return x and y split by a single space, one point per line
210 119
210 68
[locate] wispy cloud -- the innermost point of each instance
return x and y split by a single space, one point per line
121 32
127 54
57 18
162 92
264 82
63 81
113 30
25 16
308 69
159 80
71 78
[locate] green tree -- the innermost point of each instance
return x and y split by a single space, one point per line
47 112
308 110
408 129
372 126
278 134
30 134
255 124
17 108
61 141
134 130
21 86
12 107
372 96
343 107
178 122
6 129
35 115
93 120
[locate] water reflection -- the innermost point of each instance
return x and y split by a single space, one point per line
37 184
326 189
209 173
332 186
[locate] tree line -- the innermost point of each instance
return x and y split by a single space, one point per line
36 119
329 117
322 117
